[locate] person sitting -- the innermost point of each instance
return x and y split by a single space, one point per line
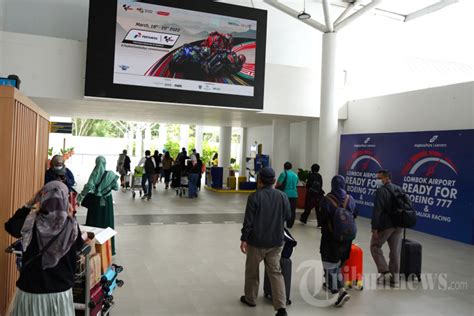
50 240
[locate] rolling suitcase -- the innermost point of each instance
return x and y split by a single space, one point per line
109 280
353 269
97 300
97 297
410 259
286 268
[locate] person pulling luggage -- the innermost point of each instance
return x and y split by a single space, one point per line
262 238
337 235
385 230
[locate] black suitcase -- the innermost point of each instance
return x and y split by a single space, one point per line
410 259
286 268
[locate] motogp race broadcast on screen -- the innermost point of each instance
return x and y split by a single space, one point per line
173 48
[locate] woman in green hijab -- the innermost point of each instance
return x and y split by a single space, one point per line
101 183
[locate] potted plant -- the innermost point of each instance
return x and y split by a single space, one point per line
65 154
232 167
302 177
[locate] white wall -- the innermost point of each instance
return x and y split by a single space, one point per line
56 18
262 135
2 14
292 91
69 19
47 66
55 68
298 144
444 108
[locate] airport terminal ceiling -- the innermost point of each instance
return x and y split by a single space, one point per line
390 53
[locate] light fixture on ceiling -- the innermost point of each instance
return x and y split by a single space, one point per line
303 14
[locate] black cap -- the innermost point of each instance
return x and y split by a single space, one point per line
267 173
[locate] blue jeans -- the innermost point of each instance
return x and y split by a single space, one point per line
333 276
193 179
147 177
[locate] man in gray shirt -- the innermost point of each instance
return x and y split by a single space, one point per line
262 239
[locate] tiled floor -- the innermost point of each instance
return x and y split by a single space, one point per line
182 257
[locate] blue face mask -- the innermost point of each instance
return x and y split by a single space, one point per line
378 183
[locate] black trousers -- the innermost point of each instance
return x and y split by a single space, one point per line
312 202
290 223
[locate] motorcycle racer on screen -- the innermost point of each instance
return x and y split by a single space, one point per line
218 41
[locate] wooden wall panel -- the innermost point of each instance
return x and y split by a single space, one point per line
24 142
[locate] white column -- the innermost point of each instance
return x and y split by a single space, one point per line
162 136
139 152
147 138
243 152
312 142
281 145
199 133
225 143
328 122
184 136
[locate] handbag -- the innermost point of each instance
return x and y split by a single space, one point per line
283 185
15 223
91 198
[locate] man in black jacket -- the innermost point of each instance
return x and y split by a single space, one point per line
262 239
314 194
384 230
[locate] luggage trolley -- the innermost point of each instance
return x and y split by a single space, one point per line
97 300
136 182
84 303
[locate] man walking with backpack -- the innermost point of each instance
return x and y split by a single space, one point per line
314 194
338 230
384 229
150 164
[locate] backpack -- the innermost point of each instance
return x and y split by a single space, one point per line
120 163
282 187
149 166
315 187
402 213
343 226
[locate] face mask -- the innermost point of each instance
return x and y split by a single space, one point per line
147 156
58 167
378 183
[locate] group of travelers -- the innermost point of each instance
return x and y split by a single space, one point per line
51 236
272 208
162 167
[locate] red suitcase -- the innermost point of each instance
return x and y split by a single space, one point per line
96 302
353 269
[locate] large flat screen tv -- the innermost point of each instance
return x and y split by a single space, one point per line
192 52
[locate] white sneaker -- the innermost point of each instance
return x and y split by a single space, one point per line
384 278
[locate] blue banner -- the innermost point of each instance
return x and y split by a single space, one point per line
435 169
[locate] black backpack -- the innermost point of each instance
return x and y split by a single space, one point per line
149 166
402 213
316 187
